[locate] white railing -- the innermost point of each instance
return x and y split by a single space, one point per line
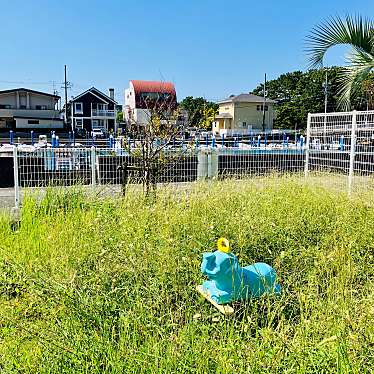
342 144
103 113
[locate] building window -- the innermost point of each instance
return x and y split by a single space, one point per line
22 106
261 108
98 124
79 123
99 106
4 106
78 108
41 107
33 122
244 125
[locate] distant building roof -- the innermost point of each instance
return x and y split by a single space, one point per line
153 86
92 90
245 98
28 90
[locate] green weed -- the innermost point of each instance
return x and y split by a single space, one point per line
108 286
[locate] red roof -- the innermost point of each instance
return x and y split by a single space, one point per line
153 86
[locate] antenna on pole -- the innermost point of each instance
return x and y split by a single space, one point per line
263 107
55 92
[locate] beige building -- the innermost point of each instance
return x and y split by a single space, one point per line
243 114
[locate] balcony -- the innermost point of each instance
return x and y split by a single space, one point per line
100 113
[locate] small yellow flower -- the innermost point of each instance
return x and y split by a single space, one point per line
223 245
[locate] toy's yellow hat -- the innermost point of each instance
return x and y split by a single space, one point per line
223 245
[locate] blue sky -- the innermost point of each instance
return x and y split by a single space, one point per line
207 48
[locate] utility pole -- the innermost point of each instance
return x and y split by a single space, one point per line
67 85
66 98
263 108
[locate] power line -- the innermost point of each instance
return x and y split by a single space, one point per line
50 83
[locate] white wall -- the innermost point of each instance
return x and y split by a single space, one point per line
129 107
22 123
130 97
41 100
29 113
138 116
141 116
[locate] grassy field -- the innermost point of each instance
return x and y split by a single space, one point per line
108 286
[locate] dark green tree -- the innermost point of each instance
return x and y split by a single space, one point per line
301 93
200 111
368 91
119 116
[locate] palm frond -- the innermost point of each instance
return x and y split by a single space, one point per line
351 78
356 31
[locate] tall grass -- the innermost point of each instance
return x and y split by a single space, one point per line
106 286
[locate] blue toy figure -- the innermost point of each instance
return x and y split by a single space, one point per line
228 281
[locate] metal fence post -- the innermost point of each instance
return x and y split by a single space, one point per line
213 163
352 152
93 166
16 181
209 163
306 166
202 164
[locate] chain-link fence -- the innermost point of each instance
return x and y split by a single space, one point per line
339 151
105 169
113 171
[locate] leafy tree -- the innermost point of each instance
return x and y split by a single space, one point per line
301 93
201 112
207 116
151 155
368 91
119 116
356 32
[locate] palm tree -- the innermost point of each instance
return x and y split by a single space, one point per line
356 32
